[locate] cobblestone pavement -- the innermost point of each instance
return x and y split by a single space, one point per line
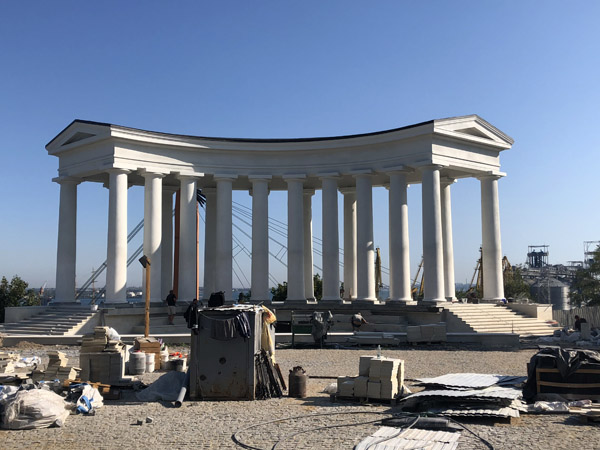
210 425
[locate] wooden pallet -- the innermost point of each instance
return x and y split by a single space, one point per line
588 414
102 388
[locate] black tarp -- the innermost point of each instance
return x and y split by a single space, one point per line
567 361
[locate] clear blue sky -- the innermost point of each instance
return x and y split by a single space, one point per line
303 69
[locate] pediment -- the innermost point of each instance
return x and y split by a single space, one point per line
77 133
473 128
78 136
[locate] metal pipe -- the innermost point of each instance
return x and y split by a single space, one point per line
183 391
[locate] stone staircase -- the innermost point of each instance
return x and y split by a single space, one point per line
160 325
490 318
54 321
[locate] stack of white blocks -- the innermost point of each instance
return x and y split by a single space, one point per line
378 378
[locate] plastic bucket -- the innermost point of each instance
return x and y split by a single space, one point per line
137 363
149 362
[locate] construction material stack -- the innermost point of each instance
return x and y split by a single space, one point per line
58 369
378 378
149 345
103 359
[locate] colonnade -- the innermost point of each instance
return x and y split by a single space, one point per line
359 251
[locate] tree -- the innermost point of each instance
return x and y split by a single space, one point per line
318 281
16 293
279 292
585 289
514 285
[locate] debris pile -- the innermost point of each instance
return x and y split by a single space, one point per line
57 369
469 395
378 378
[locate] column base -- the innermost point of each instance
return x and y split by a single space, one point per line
433 301
331 302
298 302
451 299
365 302
400 302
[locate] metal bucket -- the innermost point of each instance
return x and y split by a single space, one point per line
137 363
297 382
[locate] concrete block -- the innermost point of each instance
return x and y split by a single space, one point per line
389 389
346 388
374 389
360 387
364 365
585 331
389 369
375 369
400 376
413 333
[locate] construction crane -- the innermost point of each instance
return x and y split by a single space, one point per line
378 282
416 293
478 274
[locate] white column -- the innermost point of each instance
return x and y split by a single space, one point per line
433 257
399 240
260 239
210 242
187 238
365 251
349 242
153 230
166 254
224 248
449 282
331 240
67 241
493 282
309 281
116 258
295 286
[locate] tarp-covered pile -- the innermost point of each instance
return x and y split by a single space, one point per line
574 374
468 395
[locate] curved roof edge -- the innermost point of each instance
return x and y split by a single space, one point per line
253 140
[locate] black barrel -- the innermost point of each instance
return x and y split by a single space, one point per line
297 382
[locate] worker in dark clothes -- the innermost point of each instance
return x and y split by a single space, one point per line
171 302
357 321
578 322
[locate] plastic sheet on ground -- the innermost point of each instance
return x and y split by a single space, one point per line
34 408
388 438
472 380
166 388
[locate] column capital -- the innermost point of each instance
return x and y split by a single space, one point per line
208 190
362 173
347 190
329 175
118 171
294 177
447 181
491 176
309 191
170 189
146 173
430 167
401 170
182 177
224 177
253 178
67 180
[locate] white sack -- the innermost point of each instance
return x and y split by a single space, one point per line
35 408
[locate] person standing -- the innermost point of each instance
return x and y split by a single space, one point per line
171 303
578 322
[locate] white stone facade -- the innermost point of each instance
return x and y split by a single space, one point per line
435 154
